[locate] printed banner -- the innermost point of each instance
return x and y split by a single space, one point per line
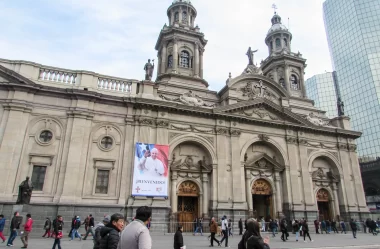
150 175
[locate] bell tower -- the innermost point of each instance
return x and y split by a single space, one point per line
282 65
180 45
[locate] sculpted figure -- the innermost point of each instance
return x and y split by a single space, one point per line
149 67
25 190
191 99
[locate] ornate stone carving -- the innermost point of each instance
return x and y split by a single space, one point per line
302 141
335 154
181 127
291 140
203 130
162 123
188 189
309 151
261 112
328 146
323 195
190 99
234 132
352 147
263 137
210 139
261 187
316 120
249 91
146 121
342 146
221 131
172 135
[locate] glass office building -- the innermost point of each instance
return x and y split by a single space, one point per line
353 33
321 89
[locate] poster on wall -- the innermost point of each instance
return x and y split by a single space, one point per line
150 175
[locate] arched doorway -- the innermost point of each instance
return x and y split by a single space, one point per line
188 204
324 201
262 199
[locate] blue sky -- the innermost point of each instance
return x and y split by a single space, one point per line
117 37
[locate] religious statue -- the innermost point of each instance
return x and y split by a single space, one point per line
340 107
149 70
250 55
25 191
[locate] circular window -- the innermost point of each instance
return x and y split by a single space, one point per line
46 136
106 143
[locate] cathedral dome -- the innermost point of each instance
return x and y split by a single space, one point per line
277 27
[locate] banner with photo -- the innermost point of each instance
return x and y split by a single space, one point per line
150 175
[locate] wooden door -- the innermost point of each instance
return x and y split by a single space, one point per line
187 212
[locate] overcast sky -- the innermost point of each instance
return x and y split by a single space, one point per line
116 37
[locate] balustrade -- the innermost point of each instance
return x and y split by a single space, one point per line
114 85
57 76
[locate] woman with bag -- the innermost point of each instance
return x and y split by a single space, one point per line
252 238
178 238
58 226
297 228
305 229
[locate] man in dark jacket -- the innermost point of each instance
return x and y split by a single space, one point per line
15 224
47 227
91 224
333 226
110 233
354 227
97 229
284 230
240 227
178 238
316 225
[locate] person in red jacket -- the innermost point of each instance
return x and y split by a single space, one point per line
27 229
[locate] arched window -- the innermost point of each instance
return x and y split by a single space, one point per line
184 17
285 42
294 82
184 60
278 43
176 17
170 61
282 82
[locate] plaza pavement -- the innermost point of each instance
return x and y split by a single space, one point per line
364 241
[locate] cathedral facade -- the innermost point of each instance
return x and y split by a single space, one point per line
256 148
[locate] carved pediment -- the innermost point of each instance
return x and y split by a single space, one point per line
263 162
322 175
256 89
190 164
188 98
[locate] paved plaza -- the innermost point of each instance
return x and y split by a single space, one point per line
363 241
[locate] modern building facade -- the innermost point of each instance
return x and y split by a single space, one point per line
353 32
370 174
322 89
258 147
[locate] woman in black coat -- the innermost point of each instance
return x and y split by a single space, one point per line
110 233
178 238
252 238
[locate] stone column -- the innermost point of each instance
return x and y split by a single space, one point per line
248 190
302 82
196 60
173 196
205 194
287 82
278 193
275 75
180 15
175 56
201 63
163 58
336 199
171 18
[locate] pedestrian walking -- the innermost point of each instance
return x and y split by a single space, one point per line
284 230
72 225
47 227
316 225
240 224
305 230
91 224
224 231
323 227
273 227
198 226
333 226
213 231
97 229
136 235
2 224
343 226
58 227
109 234
75 229
178 238
15 224
262 224
230 228
354 227
86 223
328 226
27 230
296 228
252 238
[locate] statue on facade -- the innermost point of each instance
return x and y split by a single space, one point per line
149 67
25 190
340 107
250 55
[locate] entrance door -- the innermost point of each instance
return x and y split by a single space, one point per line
187 212
323 205
262 199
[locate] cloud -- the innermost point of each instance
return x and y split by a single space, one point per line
117 37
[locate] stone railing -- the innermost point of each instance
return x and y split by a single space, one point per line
54 75
114 84
65 78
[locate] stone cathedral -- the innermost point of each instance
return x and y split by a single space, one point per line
256 148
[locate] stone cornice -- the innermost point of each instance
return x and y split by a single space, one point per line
161 76
17 106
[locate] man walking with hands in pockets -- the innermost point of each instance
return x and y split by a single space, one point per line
225 230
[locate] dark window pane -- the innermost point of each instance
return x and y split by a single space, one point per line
38 177
107 142
46 136
102 182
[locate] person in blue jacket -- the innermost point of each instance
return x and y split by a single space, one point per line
2 224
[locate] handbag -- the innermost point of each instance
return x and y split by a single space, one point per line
59 235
